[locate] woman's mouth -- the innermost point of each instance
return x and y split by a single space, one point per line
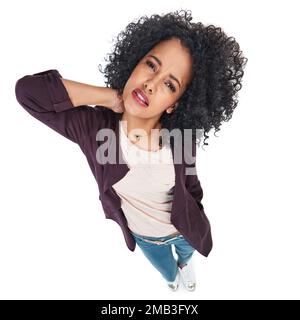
139 98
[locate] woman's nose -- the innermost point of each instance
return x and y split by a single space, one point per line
148 88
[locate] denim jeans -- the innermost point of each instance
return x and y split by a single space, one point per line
158 250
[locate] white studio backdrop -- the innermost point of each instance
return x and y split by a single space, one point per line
55 242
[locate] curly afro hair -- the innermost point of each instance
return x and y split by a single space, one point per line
211 95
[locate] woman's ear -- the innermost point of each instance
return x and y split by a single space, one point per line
172 108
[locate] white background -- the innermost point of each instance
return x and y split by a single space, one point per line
55 242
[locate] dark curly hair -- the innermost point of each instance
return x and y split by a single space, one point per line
211 95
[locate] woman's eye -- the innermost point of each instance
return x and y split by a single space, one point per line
149 63
172 88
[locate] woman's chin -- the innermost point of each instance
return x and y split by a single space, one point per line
134 111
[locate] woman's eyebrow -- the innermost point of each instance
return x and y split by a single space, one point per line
159 62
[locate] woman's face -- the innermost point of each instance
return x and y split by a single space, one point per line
155 75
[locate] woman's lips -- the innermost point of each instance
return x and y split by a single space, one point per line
138 100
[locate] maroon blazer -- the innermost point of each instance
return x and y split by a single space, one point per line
44 96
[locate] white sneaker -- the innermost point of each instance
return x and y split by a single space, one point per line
174 284
188 276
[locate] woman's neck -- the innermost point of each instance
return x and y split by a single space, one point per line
144 131
144 126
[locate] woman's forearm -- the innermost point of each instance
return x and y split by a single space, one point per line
85 94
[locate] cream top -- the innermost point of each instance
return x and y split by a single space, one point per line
145 194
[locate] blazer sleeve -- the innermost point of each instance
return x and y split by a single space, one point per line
44 96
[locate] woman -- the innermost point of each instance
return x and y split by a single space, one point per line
165 73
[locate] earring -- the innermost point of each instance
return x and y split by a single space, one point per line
173 107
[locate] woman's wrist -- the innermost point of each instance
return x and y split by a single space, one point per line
86 94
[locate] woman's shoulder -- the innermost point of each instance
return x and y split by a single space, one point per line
109 117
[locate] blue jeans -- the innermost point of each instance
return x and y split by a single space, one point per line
160 254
